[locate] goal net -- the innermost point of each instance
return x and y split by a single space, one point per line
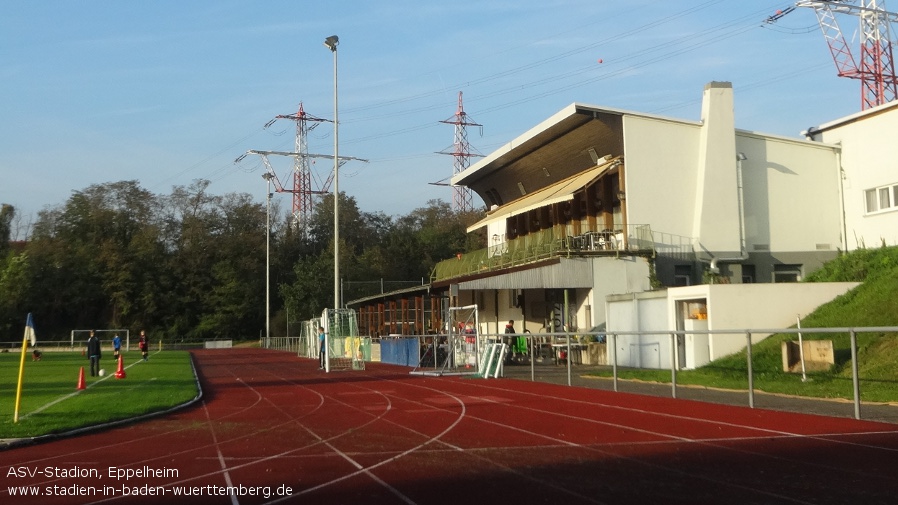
344 347
308 338
105 337
461 351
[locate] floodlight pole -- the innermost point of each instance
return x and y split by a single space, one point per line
268 176
331 43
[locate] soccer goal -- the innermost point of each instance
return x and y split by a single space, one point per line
308 338
462 351
343 344
105 337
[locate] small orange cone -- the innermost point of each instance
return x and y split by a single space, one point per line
120 373
81 384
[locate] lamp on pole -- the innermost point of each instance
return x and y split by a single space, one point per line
331 43
268 176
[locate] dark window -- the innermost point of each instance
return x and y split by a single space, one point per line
786 273
682 275
748 274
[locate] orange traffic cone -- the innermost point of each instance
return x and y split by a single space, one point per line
120 373
81 384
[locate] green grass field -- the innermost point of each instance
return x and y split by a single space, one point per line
51 402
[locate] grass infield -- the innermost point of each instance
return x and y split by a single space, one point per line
51 402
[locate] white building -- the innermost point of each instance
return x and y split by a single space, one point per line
596 208
869 179
595 190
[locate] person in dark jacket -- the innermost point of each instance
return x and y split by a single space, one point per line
144 345
94 353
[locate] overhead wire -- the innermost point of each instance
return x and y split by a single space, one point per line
657 52
641 58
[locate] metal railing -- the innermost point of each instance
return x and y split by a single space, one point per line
298 345
634 238
567 348
570 341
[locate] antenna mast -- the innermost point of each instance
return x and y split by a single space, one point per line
462 197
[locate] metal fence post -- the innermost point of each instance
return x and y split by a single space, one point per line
568 359
751 378
614 360
673 364
854 376
531 340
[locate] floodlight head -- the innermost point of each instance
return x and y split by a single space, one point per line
741 157
268 176
332 42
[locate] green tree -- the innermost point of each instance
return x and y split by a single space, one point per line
7 214
15 286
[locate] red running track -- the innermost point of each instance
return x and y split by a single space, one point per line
270 421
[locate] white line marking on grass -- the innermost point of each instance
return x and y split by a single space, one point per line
66 397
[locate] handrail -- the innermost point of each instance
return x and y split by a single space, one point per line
634 239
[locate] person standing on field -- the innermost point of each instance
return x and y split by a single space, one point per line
321 353
144 345
94 353
116 347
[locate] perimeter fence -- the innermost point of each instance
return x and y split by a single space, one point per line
616 351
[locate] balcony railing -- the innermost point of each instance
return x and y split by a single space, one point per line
632 239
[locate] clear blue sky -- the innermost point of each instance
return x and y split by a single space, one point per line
167 92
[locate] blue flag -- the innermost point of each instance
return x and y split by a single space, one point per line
29 330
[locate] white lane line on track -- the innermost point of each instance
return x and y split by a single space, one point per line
607 453
345 456
221 461
358 466
474 453
437 440
779 433
206 446
367 470
79 454
271 457
370 475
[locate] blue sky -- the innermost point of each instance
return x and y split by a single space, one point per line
167 92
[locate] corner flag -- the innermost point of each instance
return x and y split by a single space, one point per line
29 330
29 335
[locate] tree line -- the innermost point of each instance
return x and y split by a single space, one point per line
191 265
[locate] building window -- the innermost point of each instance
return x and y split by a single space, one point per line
748 274
682 275
786 273
880 199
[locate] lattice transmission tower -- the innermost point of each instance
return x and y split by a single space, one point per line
303 176
302 171
874 65
462 197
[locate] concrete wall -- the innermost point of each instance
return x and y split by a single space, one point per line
792 200
729 307
732 306
661 159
